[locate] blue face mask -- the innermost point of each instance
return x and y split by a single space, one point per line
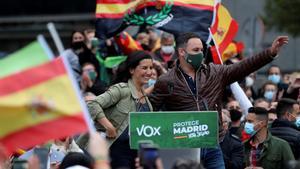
151 82
297 122
249 128
274 78
269 95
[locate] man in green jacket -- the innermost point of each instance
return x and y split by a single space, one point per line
263 149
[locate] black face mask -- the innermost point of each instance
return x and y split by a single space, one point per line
77 45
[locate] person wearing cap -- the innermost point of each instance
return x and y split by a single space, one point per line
263 149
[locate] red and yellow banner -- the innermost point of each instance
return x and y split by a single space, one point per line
173 16
223 30
39 104
127 43
118 8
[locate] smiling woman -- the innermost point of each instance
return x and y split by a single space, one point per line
110 110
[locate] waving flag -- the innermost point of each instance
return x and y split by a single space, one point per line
31 55
127 43
223 31
39 104
174 16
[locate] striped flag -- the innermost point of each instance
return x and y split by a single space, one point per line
39 104
232 50
223 31
127 43
174 16
31 55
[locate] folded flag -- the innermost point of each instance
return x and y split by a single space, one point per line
38 104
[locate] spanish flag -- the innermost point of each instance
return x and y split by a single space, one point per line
127 43
173 16
233 49
39 104
30 55
223 31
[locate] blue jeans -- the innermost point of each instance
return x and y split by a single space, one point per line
212 158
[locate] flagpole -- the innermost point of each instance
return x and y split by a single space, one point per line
236 89
86 115
216 46
41 39
56 38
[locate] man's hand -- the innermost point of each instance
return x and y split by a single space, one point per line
278 43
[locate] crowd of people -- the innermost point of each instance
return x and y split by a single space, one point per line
167 73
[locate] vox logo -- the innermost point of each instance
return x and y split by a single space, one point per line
148 131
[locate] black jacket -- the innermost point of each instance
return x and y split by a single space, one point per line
287 131
233 152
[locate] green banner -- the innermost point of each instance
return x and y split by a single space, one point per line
174 129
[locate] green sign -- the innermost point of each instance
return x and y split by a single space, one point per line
174 129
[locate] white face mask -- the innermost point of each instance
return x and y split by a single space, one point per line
249 81
167 49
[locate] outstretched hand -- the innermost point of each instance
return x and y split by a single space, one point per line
278 43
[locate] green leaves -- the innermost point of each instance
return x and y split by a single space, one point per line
134 19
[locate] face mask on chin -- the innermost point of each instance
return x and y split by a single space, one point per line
167 49
195 60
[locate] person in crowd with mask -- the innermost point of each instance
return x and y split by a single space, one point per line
232 147
274 75
194 86
248 87
285 127
269 91
110 110
263 149
166 53
76 46
90 82
235 117
158 70
233 104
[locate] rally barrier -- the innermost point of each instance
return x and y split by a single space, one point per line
174 129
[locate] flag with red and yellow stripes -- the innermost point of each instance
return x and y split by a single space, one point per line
127 43
173 16
223 31
39 104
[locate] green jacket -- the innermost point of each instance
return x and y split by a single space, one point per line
275 154
115 104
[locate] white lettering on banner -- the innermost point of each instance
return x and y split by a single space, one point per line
192 129
148 131
165 21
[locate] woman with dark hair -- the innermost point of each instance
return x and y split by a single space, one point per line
110 110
